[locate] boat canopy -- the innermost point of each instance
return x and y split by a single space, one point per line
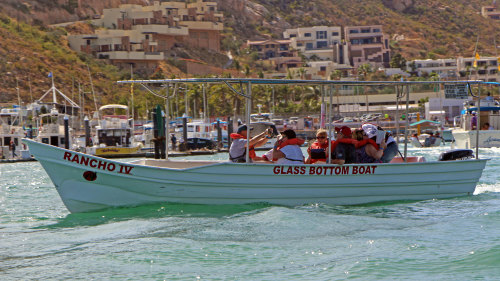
257 81
483 108
120 106
425 121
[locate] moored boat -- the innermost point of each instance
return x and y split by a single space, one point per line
488 113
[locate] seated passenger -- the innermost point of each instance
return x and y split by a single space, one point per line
391 149
318 149
370 153
237 151
290 153
344 151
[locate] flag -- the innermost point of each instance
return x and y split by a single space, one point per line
477 56
50 74
474 64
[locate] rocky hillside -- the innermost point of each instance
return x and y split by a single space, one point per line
418 29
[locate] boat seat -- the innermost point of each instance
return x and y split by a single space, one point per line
410 159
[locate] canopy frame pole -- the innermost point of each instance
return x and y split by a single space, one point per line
248 97
478 121
167 120
329 119
407 125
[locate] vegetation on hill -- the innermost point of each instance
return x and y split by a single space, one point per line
418 30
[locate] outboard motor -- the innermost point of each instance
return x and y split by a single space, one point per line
456 154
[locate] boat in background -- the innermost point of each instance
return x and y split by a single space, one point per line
113 134
11 130
488 112
51 129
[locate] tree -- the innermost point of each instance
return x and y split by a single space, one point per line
398 61
364 69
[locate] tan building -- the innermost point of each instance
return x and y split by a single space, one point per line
445 68
490 12
367 44
485 68
316 42
142 34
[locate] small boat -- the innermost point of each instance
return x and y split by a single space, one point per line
52 129
10 130
488 112
88 183
114 135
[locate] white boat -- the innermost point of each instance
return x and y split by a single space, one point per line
51 129
88 183
10 130
425 140
489 112
114 135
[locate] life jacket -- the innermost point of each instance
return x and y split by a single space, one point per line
357 144
318 147
251 152
294 141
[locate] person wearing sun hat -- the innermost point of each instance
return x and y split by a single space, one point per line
372 154
391 149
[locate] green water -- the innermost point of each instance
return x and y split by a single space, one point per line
453 239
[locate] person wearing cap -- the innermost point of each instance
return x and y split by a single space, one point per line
391 147
288 154
238 149
344 150
473 121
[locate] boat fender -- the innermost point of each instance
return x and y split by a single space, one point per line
89 175
456 154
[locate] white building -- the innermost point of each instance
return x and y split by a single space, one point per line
317 41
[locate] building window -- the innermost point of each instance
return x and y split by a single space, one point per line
88 42
320 34
355 41
321 44
322 68
376 30
299 44
309 46
293 35
307 34
147 36
365 30
353 31
335 34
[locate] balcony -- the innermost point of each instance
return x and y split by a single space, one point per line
123 55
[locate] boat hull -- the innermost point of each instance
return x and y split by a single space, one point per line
467 139
87 183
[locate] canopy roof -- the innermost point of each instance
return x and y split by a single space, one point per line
297 82
430 122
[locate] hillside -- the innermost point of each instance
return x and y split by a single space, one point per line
28 55
419 29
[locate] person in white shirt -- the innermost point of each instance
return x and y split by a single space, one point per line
289 154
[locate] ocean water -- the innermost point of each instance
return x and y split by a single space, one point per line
452 239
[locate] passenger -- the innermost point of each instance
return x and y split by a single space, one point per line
318 149
414 139
370 153
473 121
391 149
237 151
344 150
486 126
290 153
